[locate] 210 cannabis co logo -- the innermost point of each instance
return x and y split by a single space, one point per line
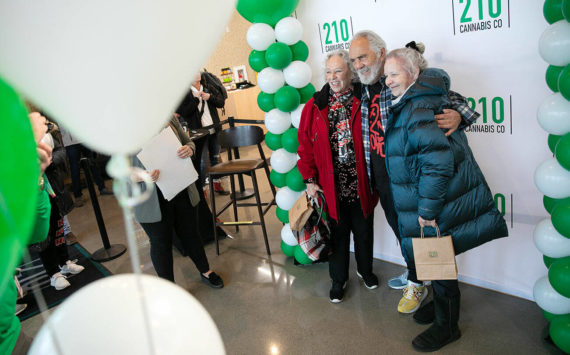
480 15
502 201
496 115
335 34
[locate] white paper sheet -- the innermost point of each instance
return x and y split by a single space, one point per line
160 154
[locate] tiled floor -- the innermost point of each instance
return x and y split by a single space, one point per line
270 306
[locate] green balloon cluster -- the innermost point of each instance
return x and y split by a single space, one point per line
273 141
560 332
287 99
301 257
562 151
277 179
566 9
306 93
278 55
550 203
266 102
552 11
549 261
559 276
295 180
553 141
267 11
552 76
257 60
19 174
288 250
282 215
564 82
561 218
549 316
300 51
289 140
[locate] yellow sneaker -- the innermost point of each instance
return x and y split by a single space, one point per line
414 294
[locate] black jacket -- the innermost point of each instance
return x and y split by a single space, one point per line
191 111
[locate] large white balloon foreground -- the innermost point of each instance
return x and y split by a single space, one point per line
106 317
110 71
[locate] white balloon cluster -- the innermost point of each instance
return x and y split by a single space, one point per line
550 177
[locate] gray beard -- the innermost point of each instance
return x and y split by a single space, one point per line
374 73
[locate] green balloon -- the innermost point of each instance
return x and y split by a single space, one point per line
288 250
19 174
287 99
301 257
560 332
300 51
278 55
566 9
265 101
561 218
552 141
306 93
295 180
267 11
273 141
562 151
559 276
550 203
290 141
564 82
257 60
552 75
552 10
282 215
277 179
549 316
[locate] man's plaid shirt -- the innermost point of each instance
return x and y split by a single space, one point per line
458 103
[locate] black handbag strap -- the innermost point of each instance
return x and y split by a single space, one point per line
320 208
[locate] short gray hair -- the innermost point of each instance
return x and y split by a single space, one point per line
376 42
410 58
343 54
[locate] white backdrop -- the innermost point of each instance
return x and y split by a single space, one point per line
492 57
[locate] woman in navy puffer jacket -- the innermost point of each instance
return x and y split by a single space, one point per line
435 182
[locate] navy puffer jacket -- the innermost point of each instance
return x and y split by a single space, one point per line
435 176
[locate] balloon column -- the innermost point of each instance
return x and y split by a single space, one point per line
552 177
279 56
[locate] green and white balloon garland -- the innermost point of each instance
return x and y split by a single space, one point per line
552 177
279 56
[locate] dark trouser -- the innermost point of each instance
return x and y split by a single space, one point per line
178 216
387 202
54 253
210 155
446 288
74 153
351 218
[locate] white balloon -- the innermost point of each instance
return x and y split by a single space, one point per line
552 179
286 198
112 306
289 30
260 36
296 115
108 77
270 80
548 299
287 234
554 114
554 44
549 242
298 74
277 121
282 161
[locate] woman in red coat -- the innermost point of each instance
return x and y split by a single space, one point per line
332 161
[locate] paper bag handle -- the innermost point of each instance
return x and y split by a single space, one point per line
436 229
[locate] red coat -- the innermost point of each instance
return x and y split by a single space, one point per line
316 155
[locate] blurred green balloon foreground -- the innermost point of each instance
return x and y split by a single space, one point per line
19 174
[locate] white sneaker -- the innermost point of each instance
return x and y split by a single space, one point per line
20 307
71 268
59 281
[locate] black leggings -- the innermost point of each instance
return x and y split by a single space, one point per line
351 218
178 216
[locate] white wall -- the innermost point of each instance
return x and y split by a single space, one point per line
501 62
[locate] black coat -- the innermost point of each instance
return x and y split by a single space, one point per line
55 172
191 111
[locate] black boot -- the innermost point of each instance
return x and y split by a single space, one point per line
425 314
444 330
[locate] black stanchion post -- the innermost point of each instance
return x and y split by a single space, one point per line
108 252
